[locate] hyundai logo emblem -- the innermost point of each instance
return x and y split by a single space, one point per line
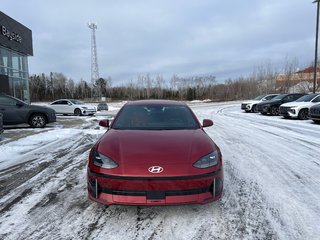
155 169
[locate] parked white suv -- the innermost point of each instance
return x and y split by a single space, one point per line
299 108
250 105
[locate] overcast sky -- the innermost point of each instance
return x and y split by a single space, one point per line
184 37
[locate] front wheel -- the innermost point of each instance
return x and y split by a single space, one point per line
254 109
303 114
77 112
274 111
37 121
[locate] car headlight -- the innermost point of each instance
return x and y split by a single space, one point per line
103 161
209 160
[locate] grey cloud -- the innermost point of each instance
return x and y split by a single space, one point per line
223 38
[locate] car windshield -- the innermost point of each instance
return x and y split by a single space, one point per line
306 98
279 97
155 117
259 97
77 102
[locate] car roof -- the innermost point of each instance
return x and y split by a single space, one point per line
155 102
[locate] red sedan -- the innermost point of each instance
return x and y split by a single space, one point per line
155 152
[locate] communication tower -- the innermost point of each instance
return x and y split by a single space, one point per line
94 56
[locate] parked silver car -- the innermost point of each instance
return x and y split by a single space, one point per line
102 106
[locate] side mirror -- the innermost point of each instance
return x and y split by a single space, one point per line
207 123
104 123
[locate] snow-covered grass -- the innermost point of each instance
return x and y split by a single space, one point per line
272 182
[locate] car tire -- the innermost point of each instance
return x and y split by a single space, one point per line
274 111
254 109
38 121
77 112
303 114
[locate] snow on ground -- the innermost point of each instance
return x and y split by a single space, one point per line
272 182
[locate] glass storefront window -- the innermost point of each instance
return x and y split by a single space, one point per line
15 66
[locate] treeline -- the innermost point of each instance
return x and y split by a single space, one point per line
55 85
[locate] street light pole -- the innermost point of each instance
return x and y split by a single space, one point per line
316 49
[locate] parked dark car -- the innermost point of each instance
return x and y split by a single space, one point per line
102 106
272 107
315 113
16 111
1 125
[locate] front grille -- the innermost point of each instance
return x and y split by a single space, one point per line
259 108
243 106
314 110
156 194
284 110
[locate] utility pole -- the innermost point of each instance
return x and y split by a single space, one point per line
316 49
94 56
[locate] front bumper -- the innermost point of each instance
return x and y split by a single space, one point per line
315 117
108 189
314 114
51 117
246 106
288 112
263 109
88 111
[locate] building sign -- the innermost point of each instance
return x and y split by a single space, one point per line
15 36
12 36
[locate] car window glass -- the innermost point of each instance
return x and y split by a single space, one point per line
297 96
306 98
155 118
77 102
269 97
279 97
7 101
287 98
317 99
259 97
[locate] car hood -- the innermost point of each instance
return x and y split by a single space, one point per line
40 108
251 101
272 102
137 150
297 104
86 106
317 106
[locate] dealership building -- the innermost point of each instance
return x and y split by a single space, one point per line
15 47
